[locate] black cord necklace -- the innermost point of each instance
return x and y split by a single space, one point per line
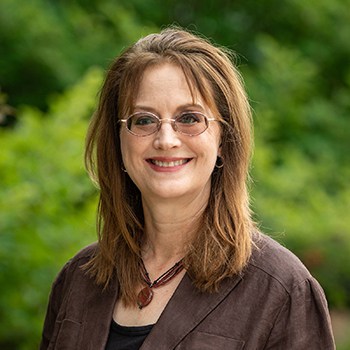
145 296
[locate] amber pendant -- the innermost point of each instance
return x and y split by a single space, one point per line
144 297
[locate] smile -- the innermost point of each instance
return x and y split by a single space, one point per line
169 164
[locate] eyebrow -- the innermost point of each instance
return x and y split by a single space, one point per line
187 106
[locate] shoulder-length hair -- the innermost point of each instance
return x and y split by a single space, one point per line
222 246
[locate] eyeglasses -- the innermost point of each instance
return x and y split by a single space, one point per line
147 123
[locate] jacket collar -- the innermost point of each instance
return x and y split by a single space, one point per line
184 311
99 308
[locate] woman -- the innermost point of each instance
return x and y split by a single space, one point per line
179 263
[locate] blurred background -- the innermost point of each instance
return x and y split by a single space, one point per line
294 56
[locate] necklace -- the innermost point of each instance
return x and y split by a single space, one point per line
145 296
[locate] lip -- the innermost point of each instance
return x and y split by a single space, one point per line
167 164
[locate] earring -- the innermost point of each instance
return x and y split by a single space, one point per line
123 168
219 162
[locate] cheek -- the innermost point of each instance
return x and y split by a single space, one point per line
132 149
211 144
208 152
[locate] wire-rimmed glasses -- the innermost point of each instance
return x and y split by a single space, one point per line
147 123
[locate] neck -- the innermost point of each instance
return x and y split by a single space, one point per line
169 227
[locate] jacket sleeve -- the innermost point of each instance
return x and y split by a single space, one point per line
303 321
55 300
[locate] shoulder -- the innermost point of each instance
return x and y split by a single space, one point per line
280 285
272 261
73 267
85 254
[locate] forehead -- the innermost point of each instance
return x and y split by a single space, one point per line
165 84
167 80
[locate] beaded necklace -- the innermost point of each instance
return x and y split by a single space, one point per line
145 296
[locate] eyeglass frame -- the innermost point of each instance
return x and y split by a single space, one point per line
172 121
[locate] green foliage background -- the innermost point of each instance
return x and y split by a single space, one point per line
294 57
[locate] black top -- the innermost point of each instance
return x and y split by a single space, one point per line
126 338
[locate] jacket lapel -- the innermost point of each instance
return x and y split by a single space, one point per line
185 310
99 308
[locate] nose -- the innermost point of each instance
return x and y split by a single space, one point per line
168 121
166 137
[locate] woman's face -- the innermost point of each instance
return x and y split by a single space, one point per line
168 164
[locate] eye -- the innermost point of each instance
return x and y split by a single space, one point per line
143 119
189 118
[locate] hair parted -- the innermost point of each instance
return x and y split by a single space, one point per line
223 243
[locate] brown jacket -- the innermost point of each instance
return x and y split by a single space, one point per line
274 304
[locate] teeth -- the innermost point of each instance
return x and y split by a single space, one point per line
169 164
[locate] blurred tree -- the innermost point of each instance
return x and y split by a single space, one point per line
47 45
7 113
47 207
300 167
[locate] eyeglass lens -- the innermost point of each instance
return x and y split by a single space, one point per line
189 123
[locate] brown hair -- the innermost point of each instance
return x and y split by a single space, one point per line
223 244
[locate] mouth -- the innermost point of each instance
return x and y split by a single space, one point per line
168 164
